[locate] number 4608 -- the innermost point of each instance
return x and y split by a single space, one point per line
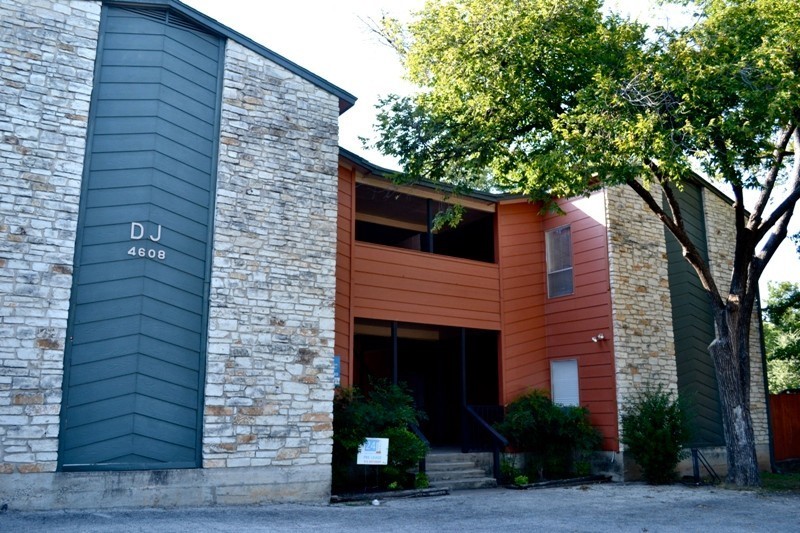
147 252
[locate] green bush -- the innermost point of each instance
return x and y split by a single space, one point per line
508 470
386 412
554 438
521 481
654 430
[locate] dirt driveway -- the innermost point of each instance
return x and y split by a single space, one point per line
606 507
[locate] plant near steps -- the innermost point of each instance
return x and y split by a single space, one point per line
521 480
386 411
556 440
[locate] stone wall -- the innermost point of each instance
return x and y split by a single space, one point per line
269 373
269 382
47 52
644 349
642 311
721 236
642 314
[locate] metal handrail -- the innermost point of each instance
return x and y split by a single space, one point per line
498 441
697 459
421 436
496 436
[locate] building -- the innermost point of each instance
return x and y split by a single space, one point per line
591 304
185 252
167 261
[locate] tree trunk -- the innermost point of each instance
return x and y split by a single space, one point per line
731 356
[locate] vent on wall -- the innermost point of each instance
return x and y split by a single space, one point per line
564 382
169 17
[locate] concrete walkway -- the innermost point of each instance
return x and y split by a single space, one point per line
606 507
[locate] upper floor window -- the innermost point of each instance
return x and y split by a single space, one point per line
395 218
558 245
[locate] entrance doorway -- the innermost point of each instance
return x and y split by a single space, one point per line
443 367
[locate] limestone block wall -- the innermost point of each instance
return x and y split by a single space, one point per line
47 52
721 233
267 427
644 347
269 385
643 337
642 311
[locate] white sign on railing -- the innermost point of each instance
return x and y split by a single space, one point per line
374 451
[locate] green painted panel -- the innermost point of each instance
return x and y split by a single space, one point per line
693 326
138 316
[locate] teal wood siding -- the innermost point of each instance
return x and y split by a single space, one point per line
135 359
693 326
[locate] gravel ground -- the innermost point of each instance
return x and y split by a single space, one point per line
605 507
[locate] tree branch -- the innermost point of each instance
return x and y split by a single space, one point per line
672 201
690 251
769 183
780 226
745 245
791 199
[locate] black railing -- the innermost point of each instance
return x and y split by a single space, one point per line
421 436
699 459
479 435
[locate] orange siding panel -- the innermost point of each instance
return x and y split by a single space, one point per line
344 241
521 258
406 285
573 320
387 283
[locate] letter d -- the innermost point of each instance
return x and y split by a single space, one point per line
137 231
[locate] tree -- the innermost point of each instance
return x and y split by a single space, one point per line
553 98
782 336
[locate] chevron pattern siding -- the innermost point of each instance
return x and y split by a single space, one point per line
694 326
135 364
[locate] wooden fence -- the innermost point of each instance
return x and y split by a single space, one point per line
785 418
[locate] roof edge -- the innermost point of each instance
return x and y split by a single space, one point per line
346 99
388 175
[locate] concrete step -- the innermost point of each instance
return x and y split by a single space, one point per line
453 477
448 475
467 484
458 471
450 465
457 457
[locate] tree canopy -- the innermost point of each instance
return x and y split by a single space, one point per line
556 98
782 336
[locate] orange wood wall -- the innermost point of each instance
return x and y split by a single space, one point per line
572 321
385 283
344 245
410 286
520 246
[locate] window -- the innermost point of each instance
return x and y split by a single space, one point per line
564 382
395 218
558 245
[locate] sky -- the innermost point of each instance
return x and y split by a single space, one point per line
332 39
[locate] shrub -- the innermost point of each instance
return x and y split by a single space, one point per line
386 412
553 437
521 481
405 452
508 470
654 430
